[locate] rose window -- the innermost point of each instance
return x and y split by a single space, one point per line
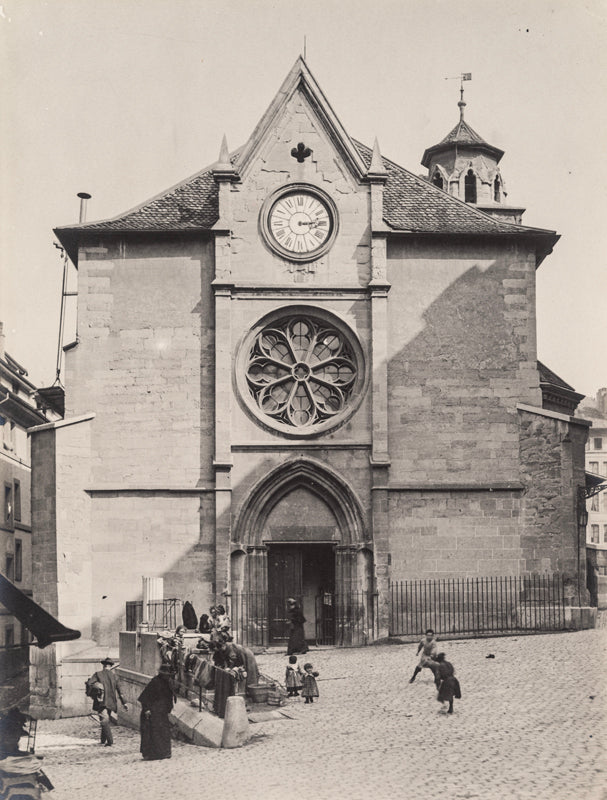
301 372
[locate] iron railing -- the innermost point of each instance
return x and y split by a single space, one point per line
259 619
478 605
162 614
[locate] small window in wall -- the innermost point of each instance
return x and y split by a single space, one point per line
9 636
470 187
8 505
18 560
594 503
594 534
593 466
598 443
497 190
437 180
605 533
604 470
17 501
10 567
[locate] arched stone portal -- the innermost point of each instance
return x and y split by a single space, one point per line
303 533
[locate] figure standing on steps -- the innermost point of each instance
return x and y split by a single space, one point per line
448 685
428 648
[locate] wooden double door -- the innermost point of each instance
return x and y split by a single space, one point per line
304 572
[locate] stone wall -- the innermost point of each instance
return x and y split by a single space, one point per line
144 362
462 355
44 520
449 534
552 468
150 534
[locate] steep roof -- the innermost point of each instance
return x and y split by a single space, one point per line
411 204
461 136
548 376
556 394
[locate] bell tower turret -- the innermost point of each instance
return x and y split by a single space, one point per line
467 166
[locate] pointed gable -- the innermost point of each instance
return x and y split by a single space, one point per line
301 79
411 204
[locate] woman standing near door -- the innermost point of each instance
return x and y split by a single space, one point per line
297 639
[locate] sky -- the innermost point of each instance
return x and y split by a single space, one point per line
125 98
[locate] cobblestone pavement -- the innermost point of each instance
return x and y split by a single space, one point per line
531 726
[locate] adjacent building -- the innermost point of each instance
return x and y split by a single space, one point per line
18 412
305 371
596 530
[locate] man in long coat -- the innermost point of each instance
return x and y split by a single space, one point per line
157 701
106 700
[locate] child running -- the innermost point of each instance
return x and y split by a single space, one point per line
428 648
293 677
310 689
448 685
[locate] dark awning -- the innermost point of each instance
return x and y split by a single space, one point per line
39 622
595 484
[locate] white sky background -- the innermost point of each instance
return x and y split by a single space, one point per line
124 98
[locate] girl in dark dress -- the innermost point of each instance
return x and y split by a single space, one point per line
448 685
309 685
297 639
157 701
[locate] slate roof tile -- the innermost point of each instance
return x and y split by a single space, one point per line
410 204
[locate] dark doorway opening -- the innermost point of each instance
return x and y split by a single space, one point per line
304 572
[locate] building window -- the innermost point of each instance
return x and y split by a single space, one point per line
17 501
18 560
10 563
594 534
302 373
437 180
594 502
8 505
497 194
470 187
598 443
594 467
604 470
605 533
9 636
8 434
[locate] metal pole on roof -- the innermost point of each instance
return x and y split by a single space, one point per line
84 197
61 319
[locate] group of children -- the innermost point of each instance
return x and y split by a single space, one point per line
297 681
444 673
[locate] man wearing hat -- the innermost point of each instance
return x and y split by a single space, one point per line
104 698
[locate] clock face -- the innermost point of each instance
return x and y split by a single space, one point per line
300 223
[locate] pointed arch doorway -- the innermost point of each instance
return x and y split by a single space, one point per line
301 536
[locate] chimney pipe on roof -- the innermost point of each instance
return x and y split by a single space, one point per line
83 198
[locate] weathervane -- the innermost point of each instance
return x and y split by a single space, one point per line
464 76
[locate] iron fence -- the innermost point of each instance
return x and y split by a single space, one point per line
259 619
478 605
162 614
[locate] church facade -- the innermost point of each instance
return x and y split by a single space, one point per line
305 371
